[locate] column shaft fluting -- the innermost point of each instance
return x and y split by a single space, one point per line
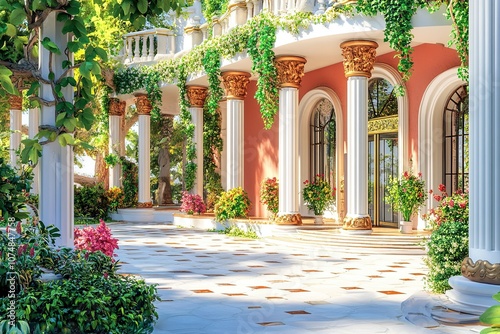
290 72
235 84
115 126
34 122
15 127
359 57
144 193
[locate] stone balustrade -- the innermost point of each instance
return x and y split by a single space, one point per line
148 45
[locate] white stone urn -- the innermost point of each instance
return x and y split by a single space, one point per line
405 226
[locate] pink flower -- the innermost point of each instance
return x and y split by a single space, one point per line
19 228
437 198
32 252
442 188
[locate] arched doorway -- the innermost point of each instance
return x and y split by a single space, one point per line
383 149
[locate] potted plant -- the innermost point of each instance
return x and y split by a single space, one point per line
406 194
318 195
269 195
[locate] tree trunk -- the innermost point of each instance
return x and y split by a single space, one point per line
101 170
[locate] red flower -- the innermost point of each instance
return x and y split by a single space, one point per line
437 197
442 188
32 252
19 228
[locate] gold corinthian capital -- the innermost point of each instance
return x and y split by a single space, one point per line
143 104
290 70
116 107
16 102
235 84
359 57
196 96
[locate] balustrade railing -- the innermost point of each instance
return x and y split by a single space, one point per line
148 45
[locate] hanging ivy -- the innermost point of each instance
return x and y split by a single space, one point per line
212 140
260 48
188 129
458 12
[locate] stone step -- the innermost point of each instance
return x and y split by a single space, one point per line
333 239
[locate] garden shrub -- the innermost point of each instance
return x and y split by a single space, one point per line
14 190
192 203
269 195
448 244
96 239
115 198
130 182
91 202
233 203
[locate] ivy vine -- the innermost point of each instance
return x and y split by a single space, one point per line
212 140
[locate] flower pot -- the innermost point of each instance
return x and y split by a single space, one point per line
318 219
405 227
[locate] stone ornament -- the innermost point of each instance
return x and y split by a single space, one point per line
290 70
359 57
481 271
289 219
143 105
16 102
235 84
144 205
383 124
116 107
196 96
357 223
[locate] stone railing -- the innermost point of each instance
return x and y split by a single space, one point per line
160 43
148 45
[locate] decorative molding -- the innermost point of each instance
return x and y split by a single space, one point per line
383 124
144 205
359 57
290 70
241 4
235 84
196 96
16 102
289 219
357 223
481 271
116 107
143 104
190 30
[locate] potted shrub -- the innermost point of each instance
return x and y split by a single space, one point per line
318 196
269 195
406 194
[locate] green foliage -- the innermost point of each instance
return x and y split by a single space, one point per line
458 12
269 194
406 194
91 202
112 159
447 246
114 197
318 194
130 182
234 231
213 8
233 203
14 190
492 317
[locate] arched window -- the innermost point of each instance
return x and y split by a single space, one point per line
381 99
323 139
456 141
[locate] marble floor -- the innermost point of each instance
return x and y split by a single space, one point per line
211 283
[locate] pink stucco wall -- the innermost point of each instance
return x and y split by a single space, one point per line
261 146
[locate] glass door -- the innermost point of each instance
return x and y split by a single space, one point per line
382 165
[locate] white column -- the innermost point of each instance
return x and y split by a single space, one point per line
236 90
116 112
289 190
144 108
15 127
197 119
235 132
290 72
34 122
359 57
484 139
115 127
56 163
196 96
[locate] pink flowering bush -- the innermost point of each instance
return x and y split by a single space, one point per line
454 207
269 194
96 239
406 194
191 204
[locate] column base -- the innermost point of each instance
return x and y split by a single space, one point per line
481 271
471 296
145 205
288 219
357 225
